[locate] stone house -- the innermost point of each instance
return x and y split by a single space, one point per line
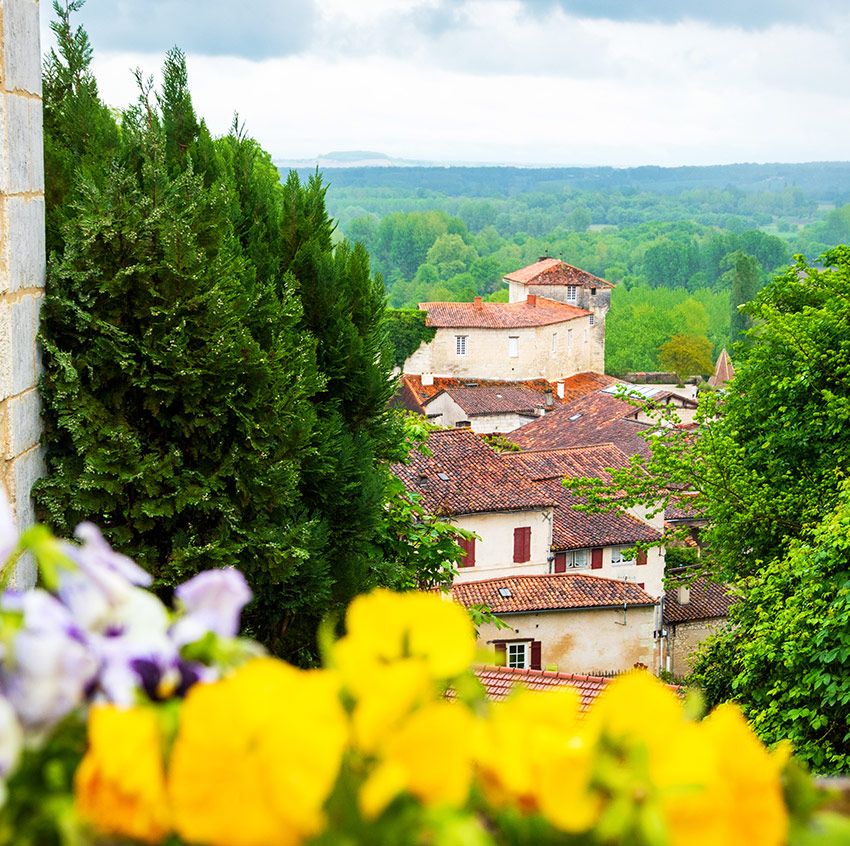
690 614
465 481
570 622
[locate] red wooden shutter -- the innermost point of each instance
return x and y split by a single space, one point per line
641 557
596 559
501 653
468 546
522 544
536 654
560 562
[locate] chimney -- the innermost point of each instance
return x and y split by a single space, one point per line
543 258
427 379
550 400
532 300
684 596
477 303
561 390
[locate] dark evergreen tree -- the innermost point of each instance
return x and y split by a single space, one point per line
80 134
744 276
177 379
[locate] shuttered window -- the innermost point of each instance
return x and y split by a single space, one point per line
522 544
519 654
468 547
596 559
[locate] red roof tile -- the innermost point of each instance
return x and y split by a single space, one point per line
683 508
498 399
499 681
708 601
551 271
543 312
464 475
723 371
585 383
592 461
593 419
572 529
552 592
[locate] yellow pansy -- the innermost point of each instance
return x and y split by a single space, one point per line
430 756
383 626
256 756
534 756
120 783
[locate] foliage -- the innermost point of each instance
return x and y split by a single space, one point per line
406 330
680 556
687 355
767 467
744 276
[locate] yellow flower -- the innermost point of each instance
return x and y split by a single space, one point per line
534 756
256 756
429 756
120 783
383 627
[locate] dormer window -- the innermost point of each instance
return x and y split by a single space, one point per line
572 293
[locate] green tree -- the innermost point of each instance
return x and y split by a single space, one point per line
686 355
743 276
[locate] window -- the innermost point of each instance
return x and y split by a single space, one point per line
593 292
592 319
516 655
572 293
569 340
519 654
619 553
468 548
460 344
513 346
575 559
522 544
554 341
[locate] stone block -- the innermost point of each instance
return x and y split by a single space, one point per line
24 244
23 423
25 469
24 153
4 247
21 46
23 333
4 143
5 349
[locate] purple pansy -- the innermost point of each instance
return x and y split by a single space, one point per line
212 601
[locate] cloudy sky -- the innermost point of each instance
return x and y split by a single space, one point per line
617 82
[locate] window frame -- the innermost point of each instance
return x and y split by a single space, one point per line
513 346
460 345
515 646
621 560
572 294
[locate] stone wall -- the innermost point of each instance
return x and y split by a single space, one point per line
22 255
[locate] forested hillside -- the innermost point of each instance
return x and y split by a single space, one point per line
685 246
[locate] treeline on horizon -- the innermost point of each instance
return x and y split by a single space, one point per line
685 246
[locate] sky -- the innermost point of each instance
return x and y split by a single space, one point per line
534 82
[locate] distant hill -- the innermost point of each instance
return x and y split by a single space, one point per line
826 181
349 159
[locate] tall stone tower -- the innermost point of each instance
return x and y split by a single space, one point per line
22 256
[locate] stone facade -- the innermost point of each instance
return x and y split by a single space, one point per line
683 640
552 352
582 641
22 256
495 545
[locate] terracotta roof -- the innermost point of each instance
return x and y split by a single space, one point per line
596 418
463 475
708 601
572 529
552 592
407 396
585 383
576 462
723 370
538 312
413 383
682 508
495 399
551 271
499 681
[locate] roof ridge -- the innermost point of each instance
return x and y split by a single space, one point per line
550 576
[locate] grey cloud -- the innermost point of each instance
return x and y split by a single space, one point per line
748 14
256 29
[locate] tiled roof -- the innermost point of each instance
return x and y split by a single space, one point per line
572 529
723 370
407 396
551 271
463 475
413 383
708 601
552 592
682 508
540 311
593 419
585 383
576 462
498 682
498 399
